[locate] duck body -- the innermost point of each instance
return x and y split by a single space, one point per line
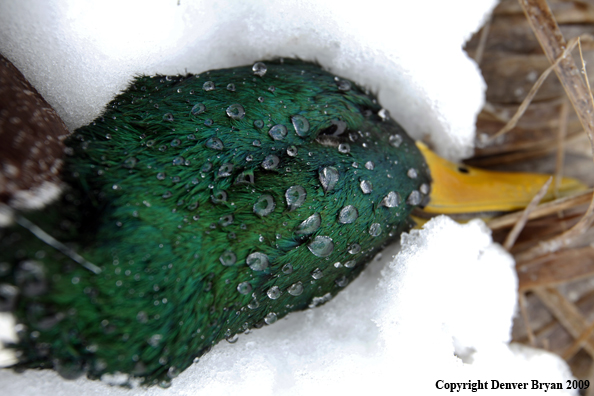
206 206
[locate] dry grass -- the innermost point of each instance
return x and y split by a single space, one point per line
553 242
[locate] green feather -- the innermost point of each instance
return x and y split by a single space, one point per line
212 204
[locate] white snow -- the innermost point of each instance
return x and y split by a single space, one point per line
79 54
440 310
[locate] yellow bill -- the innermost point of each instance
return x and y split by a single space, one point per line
464 189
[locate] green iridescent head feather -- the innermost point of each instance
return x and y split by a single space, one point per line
212 204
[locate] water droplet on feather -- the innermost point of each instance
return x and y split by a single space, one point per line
219 197
207 167
321 246
342 281
270 318
391 200
232 339
309 225
414 198
287 268
375 230
270 162
301 125
235 111
278 132
228 258
226 220
259 69
328 177
348 214
254 303
178 161
350 264
295 289
155 340
244 288
317 274
354 249
295 196
245 178
343 85
130 162
264 205
214 143
395 140
225 170
273 293
208 86
366 186
257 261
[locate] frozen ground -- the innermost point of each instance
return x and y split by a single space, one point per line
441 310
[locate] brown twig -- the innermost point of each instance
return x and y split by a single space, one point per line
524 313
556 268
542 210
524 105
480 49
536 150
511 124
577 343
551 39
519 226
567 314
562 133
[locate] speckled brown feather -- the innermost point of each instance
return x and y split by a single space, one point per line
32 136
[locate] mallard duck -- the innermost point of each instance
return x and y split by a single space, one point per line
200 206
